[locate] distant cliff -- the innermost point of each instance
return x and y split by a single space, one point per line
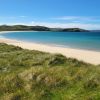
69 30
38 28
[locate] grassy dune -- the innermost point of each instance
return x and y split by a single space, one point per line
34 75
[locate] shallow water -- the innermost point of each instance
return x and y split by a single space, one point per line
80 40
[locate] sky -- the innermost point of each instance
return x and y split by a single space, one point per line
52 13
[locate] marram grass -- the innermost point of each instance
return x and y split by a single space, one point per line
34 75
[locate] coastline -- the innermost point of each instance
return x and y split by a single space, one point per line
92 57
3 32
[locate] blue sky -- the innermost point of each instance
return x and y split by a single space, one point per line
51 13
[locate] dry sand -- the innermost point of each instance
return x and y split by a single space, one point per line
92 57
2 32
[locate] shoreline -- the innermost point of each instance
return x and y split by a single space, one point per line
3 32
87 56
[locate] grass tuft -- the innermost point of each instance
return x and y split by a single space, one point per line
34 75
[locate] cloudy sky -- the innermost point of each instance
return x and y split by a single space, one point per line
52 13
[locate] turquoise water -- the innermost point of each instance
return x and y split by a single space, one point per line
81 40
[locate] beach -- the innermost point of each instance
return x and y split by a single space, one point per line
3 32
88 56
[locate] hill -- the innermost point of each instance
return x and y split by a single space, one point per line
34 75
69 30
38 28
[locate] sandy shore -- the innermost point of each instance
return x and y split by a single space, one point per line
92 57
2 32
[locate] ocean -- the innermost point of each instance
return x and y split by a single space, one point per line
79 40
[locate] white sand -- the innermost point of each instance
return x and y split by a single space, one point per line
2 32
92 57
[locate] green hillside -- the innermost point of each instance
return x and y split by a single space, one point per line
38 28
34 75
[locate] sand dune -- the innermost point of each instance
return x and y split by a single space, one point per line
92 57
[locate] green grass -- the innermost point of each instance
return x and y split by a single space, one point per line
34 75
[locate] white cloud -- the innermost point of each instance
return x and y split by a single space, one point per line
78 18
12 17
66 18
74 24
68 25
59 25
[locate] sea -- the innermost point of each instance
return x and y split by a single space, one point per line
79 40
